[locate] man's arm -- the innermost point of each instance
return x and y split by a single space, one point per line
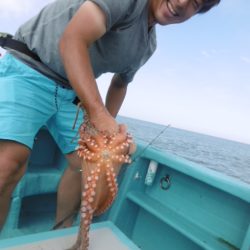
115 95
88 25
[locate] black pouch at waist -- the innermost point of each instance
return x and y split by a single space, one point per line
7 42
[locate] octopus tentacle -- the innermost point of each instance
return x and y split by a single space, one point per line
90 146
113 189
102 155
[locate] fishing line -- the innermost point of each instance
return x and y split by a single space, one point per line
151 142
134 160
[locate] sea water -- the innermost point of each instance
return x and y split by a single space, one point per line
229 157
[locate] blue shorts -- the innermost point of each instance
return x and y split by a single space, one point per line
30 100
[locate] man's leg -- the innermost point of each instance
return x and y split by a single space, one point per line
13 159
69 192
60 126
27 101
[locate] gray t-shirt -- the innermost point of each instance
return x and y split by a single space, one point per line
124 48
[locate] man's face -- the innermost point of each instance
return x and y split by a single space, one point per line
166 12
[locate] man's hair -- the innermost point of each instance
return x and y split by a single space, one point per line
208 4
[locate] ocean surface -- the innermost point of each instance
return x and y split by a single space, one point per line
226 156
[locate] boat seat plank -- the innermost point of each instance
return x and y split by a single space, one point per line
188 228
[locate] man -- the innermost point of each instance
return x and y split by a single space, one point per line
72 42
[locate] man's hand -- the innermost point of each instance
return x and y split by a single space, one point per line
104 122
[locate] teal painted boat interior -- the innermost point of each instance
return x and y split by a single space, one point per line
176 204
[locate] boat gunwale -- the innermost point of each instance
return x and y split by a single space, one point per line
209 176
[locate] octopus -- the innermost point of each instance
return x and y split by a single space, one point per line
102 156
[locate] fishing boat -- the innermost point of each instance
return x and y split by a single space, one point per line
164 203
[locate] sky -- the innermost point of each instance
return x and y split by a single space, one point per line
199 77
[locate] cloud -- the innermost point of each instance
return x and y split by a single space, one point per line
9 8
245 59
209 53
16 12
206 53
18 8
